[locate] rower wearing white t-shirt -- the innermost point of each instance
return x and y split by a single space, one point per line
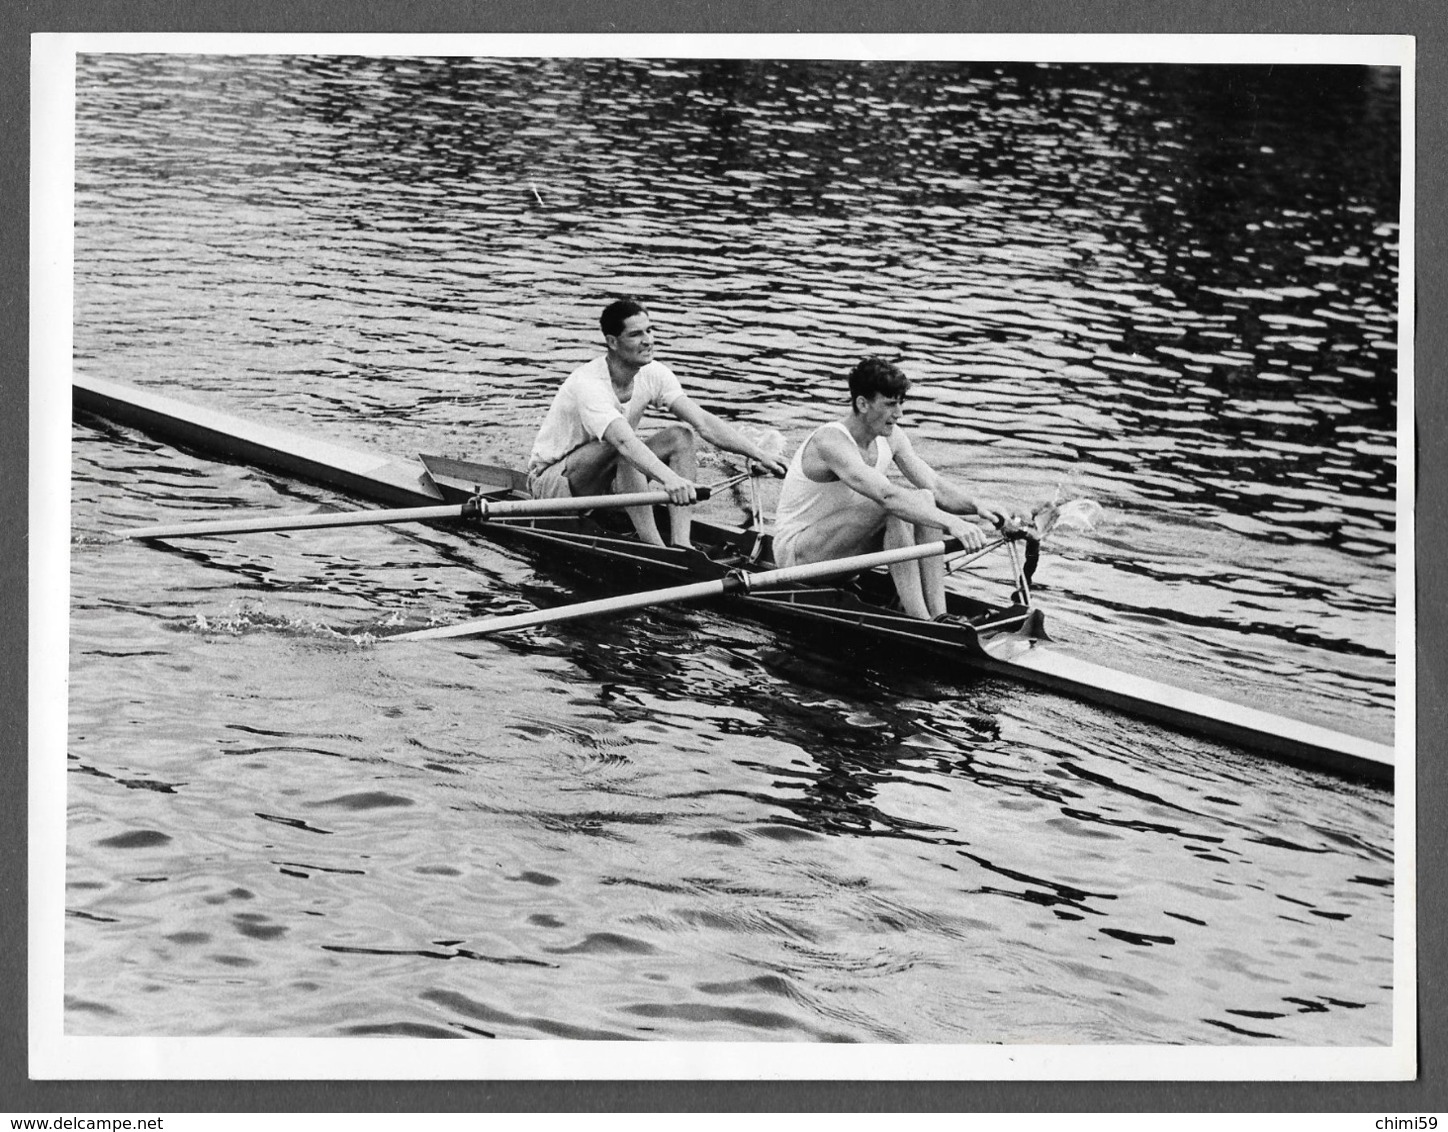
589 443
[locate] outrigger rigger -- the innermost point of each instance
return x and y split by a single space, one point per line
1007 639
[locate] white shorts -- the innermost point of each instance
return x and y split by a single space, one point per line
784 546
551 482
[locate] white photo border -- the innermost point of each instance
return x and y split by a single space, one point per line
53 1055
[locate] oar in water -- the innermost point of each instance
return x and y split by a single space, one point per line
735 582
476 508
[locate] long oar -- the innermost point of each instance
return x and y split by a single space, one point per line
737 581
472 509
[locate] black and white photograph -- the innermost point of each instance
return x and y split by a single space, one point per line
755 556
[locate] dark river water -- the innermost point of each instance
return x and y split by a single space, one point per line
1171 289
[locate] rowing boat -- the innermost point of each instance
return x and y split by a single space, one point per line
1005 640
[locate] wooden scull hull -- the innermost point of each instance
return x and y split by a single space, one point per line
1004 642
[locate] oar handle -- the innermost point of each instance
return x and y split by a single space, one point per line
479 507
1001 523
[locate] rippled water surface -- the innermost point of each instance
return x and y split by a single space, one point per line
1173 288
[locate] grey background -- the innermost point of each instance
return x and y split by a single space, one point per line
1397 17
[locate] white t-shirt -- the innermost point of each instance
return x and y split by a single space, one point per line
585 405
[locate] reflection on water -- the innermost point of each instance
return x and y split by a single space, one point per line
1174 286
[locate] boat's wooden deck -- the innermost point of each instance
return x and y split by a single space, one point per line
385 479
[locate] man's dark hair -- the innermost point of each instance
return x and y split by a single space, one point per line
617 313
874 376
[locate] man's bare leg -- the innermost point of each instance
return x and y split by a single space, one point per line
932 571
597 469
630 479
908 576
675 447
678 450
860 533
854 533
920 583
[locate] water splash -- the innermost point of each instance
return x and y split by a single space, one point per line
746 495
1079 514
254 619
90 540
1069 508
770 440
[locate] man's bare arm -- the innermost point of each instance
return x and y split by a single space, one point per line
723 435
637 453
842 458
948 496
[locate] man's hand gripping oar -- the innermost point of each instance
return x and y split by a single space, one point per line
769 461
1074 514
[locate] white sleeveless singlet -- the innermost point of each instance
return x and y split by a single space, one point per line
803 502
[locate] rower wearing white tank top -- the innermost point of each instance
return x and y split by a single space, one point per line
839 500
